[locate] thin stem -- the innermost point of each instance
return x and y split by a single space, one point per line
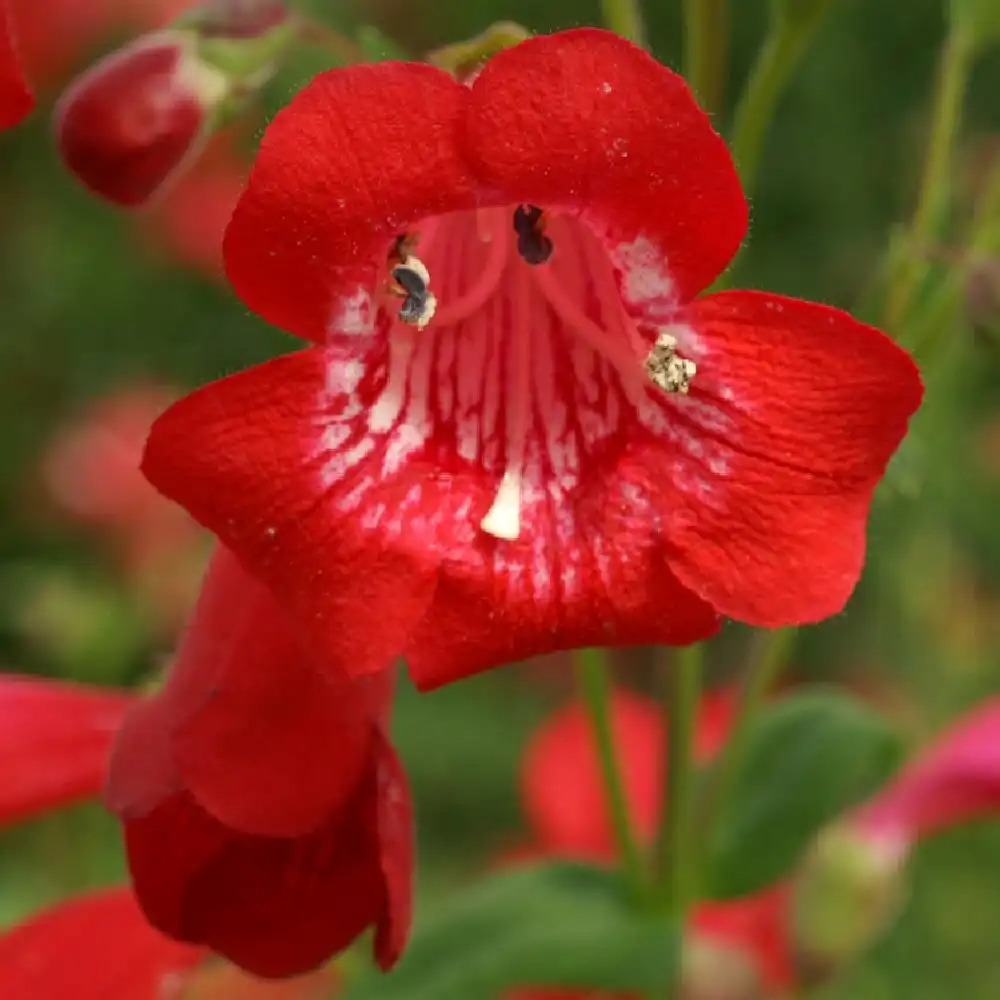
673 851
767 658
706 36
776 61
935 186
625 18
595 688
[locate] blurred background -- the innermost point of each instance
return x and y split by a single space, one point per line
104 317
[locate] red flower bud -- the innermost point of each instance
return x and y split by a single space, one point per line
128 123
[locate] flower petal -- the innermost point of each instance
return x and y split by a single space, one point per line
766 470
585 119
355 158
95 947
396 852
264 741
279 449
54 743
16 99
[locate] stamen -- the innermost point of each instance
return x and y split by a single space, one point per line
411 282
503 520
532 243
666 368
477 294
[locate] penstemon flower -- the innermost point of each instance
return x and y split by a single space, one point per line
519 428
266 815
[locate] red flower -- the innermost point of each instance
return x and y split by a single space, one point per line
95 947
100 947
564 800
15 96
266 815
520 431
54 744
956 780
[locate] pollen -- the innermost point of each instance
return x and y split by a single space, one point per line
411 281
532 243
667 369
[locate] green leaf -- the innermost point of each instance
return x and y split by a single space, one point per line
549 926
810 757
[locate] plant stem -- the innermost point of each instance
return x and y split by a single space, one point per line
625 18
779 55
935 187
344 50
767 658
595 688
673 855
706 31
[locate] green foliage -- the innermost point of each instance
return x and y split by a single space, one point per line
550 925
978 19
809 757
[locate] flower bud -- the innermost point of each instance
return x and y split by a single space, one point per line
712 971
848 890
132 121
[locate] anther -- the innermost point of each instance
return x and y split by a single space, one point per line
411 282
532 243
667 369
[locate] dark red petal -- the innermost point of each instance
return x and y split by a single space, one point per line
96 947
771 462
586 120
126 125
264 740
249 457
358 156
54 743
483 615
275 906
396 852
15 98
561 784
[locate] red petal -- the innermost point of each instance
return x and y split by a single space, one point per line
275 906
54 743
96 947
357 156
766 470
263 740
396 852
251 458
757 924
15 97
585 119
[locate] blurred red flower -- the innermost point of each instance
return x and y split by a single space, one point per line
100 947
189 221
531 436
54 744
564 799
16 99
266 814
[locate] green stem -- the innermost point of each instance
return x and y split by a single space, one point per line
595 688
780 54
935 187
345 51
768 656
706 31
673 851
625 18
